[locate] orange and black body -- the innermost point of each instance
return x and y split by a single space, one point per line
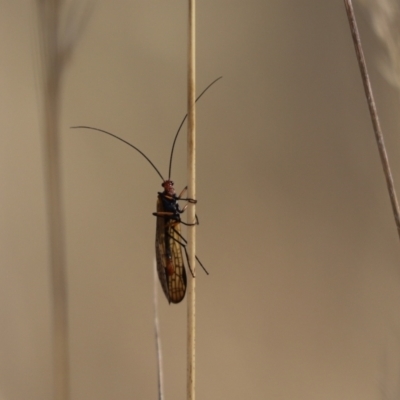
170 265
169 243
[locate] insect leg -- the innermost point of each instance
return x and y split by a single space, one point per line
163 214
194 223
183 191
170 214
184 247
193 201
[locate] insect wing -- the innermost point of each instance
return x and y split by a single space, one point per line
177 282
170 265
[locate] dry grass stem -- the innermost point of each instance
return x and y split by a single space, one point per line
373 112
160 375
191 151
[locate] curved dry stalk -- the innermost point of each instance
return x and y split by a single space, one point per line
49 23
373 113
53 60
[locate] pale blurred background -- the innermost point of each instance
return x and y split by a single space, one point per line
296 229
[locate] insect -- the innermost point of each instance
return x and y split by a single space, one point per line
169 240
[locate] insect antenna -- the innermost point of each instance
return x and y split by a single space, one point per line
122 140
180 126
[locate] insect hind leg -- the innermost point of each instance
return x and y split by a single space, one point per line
186 253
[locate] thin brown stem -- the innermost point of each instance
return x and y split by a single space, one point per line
373 112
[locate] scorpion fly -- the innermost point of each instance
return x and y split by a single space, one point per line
169 240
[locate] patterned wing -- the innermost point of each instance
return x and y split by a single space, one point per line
170 265
176 281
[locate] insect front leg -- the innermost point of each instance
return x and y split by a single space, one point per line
192 201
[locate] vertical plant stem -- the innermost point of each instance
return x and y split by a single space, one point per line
160 375
373 112
49 21
191 151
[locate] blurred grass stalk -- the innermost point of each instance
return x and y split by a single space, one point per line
385 19
375 5
53 57
48 12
